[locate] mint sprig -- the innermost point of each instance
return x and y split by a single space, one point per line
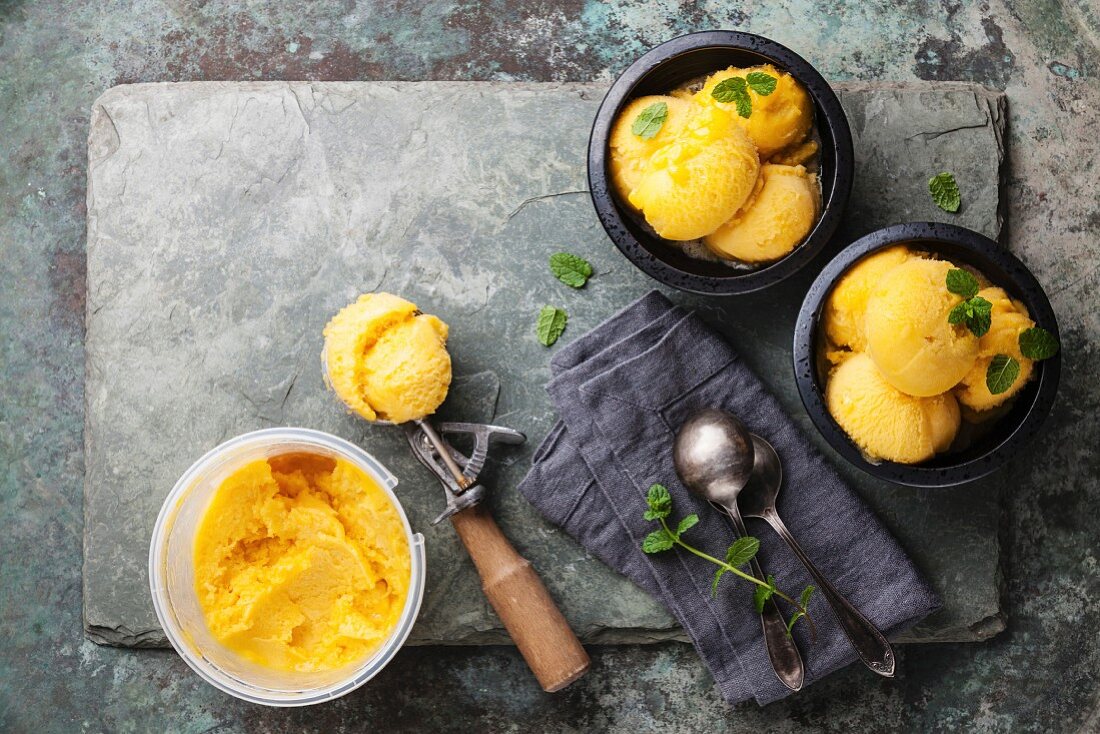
1038 343
649 121
569 269
1035 343
975 312
551 324
1001 373
962 283
804 603
945 192
735 90
741 552
761 83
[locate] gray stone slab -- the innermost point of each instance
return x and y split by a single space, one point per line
228 221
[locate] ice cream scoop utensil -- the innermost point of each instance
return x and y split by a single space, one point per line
757 499
520 599
713 455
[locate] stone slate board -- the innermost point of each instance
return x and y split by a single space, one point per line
228 221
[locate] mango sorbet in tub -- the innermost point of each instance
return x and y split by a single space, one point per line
301 563
283 569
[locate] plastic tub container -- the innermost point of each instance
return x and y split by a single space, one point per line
172 580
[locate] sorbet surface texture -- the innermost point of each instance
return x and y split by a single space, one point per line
386 360
301 563
779 215
778 120
908 334
885 422
1009 319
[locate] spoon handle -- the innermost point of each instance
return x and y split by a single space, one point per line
782 650
870 644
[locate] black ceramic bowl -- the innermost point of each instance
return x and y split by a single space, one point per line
661 70
1009 433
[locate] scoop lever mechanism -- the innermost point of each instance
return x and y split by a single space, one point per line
454 470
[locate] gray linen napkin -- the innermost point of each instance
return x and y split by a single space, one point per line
622 390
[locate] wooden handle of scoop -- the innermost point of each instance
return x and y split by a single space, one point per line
519 597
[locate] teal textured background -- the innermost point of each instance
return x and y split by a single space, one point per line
57 57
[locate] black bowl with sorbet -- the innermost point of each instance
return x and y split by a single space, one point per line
670 66
1009 432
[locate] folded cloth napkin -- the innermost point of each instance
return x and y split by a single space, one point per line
622 391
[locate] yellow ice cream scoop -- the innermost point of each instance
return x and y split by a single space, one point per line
694 184
908 335
630 153
885 422
778 120
1009 319
387 361
847 303
775 219
301 563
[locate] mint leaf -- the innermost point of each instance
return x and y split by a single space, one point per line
945 192
742 551
975 311
962 313
659 502
657 541
803 601
981 318
717 577
569 269
735 90
551 324
962 283
761 594
1038 343
1001 373
686 524
649 121
761 83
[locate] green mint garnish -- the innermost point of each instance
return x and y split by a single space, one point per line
551 324
736 90
743 550
569 269
962 283
975 312
761 83
648 122
761 594
1001 373
945 192
804 603
1038 343
659 502
657 541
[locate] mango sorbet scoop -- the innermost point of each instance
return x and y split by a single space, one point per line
388 362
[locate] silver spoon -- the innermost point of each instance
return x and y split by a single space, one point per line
714 459
757 499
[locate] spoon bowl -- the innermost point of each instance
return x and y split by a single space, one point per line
713 455
762 489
